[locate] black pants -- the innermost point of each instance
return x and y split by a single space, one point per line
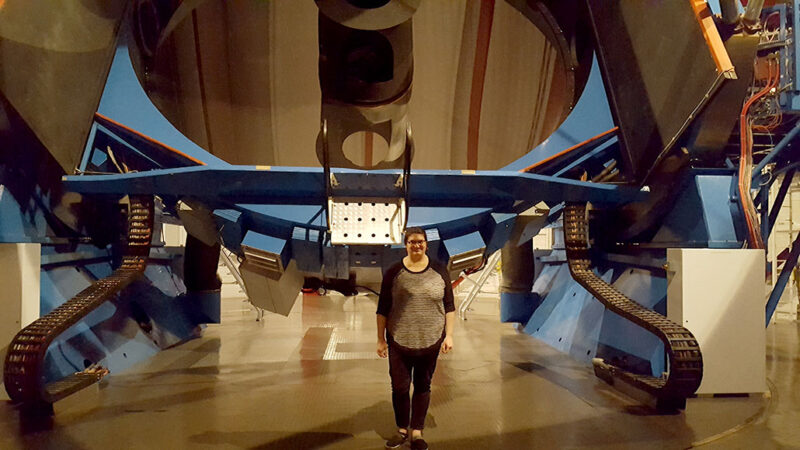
404 366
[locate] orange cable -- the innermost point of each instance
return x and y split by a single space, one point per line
745 160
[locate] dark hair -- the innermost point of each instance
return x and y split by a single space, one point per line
414 230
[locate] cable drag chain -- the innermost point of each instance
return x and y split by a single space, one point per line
23 373
685 369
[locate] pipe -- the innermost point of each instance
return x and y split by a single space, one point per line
730 11
753 11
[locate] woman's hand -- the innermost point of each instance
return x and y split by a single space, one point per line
383 349
447 345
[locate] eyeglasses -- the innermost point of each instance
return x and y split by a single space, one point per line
415 242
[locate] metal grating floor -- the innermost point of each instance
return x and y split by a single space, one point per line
310 380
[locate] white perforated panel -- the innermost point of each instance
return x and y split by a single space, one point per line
366 220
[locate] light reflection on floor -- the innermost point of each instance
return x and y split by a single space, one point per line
311 380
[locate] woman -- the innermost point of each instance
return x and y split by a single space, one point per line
415 321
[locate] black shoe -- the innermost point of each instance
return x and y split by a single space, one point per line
419 444
397 440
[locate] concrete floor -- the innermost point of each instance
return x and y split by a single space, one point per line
312 380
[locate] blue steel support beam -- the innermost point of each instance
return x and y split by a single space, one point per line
776 206
783 278
763 201
598 150
112 136
786 168
151 154
776 151
87 151
292 185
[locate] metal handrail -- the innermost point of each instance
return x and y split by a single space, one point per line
233 270
476 288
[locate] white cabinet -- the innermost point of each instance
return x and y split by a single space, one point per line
19 296
719 296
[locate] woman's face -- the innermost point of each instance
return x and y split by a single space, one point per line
416 245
